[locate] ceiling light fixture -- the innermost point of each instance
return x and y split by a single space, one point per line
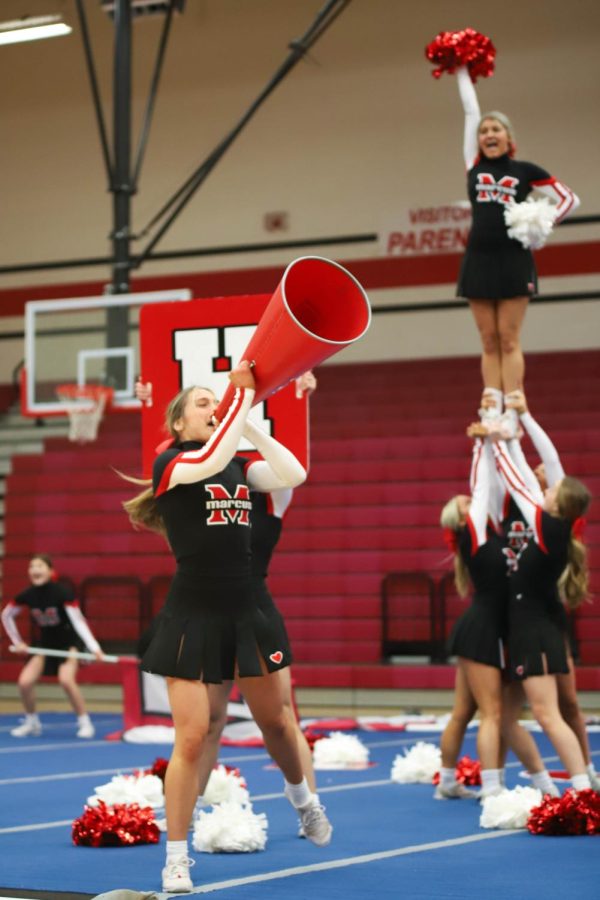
32 28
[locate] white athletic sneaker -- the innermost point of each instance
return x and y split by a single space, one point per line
86 730
176 876
456 791
314 824
28 728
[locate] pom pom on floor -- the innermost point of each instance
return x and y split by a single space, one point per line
115 826
576 812
230 828
145 790
509 809
224 786
530 222
418 765
339 750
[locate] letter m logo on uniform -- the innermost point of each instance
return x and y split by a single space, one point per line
491 191
225 509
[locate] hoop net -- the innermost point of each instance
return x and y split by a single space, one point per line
84 405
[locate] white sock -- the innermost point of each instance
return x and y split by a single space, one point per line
84 719
447 777
298 794
581 782
176 849
502 776
591 770
543 782
490 780
32 719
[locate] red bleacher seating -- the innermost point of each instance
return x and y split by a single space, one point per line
388 449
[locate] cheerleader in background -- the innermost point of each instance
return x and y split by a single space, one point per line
55 610
477 640
554 556
498 273
550 472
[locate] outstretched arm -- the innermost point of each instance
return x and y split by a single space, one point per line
480 496
517 488
470 104
540 440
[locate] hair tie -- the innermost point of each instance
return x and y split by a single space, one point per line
451 540
578 528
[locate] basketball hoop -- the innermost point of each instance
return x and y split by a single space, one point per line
84 405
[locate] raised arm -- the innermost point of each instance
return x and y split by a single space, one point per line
517 488
524 469
480 495
278 469
470 105
540 440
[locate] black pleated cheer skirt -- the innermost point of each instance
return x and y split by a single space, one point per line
478 636
533 638
214 629
497 274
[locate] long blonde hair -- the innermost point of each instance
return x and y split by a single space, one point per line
572 501
142 509
450 518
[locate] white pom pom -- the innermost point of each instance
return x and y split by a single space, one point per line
225 787
230 828
509 809
417 765
146 790
530 222
339 749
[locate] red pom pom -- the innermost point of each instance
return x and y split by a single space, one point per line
452 49
120 825
576 812
159 768
312 737
468 771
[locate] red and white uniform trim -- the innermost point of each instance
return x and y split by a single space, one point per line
532 511
565 200
196 465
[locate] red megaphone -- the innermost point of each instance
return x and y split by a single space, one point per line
317 309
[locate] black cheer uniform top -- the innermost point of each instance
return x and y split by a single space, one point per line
492 184
207 522
46 603
536 635
496 266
